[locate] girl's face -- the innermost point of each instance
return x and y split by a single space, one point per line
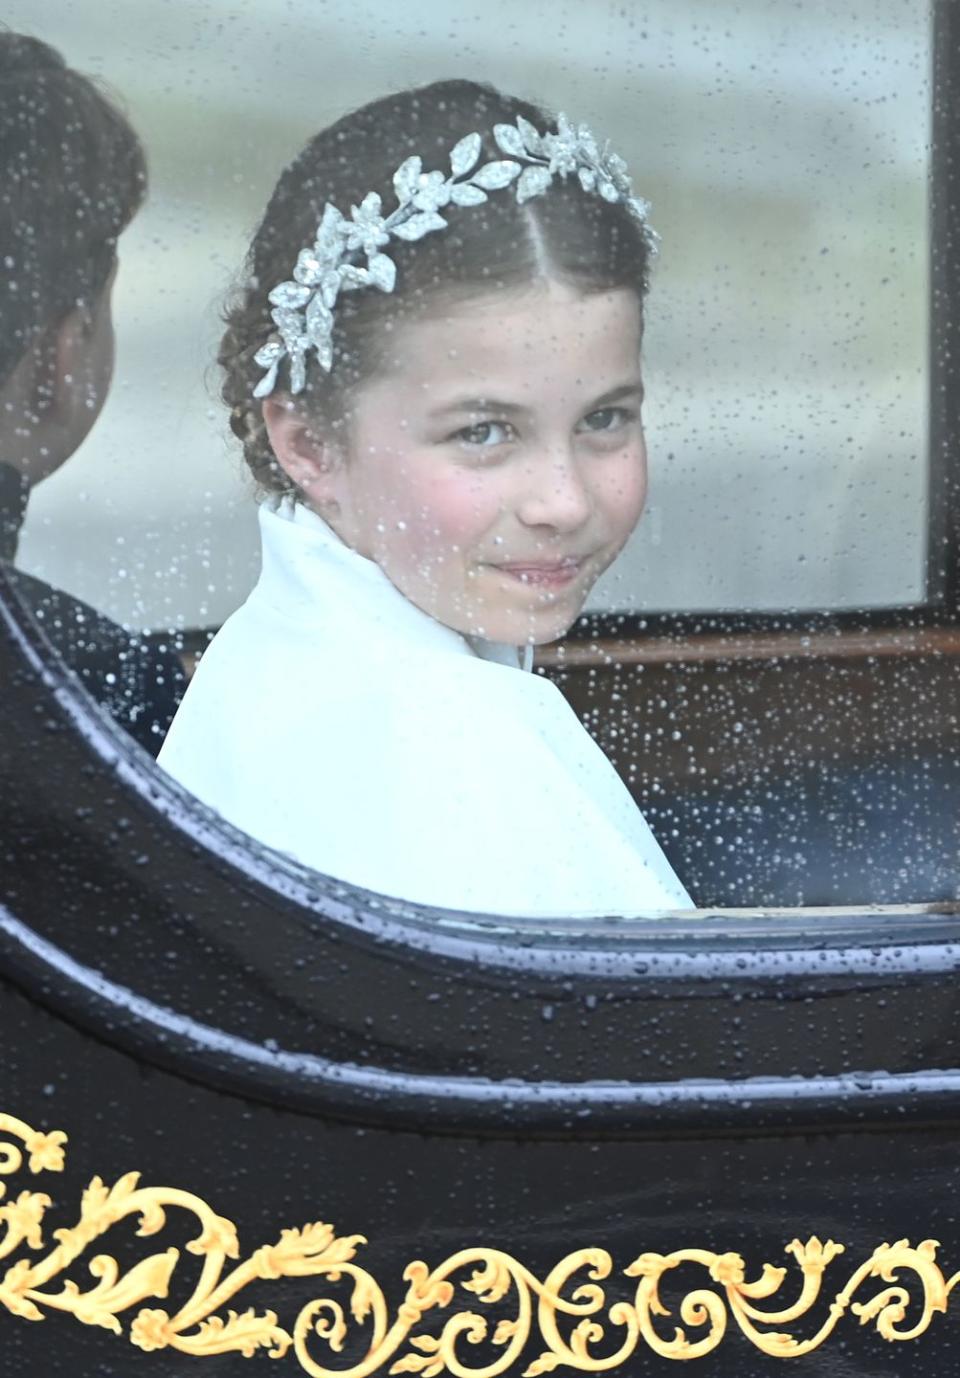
497 466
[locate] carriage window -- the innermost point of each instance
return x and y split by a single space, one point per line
796 481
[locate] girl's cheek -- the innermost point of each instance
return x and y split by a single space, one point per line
625 492
458 509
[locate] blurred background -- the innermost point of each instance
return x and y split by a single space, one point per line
785 148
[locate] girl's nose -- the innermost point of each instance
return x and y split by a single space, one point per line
557 496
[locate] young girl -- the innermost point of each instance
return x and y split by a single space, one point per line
435 370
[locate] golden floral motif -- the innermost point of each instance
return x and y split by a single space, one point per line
45 1151
602 1333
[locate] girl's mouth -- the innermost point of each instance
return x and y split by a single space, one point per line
547 574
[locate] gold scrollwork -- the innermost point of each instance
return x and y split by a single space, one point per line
199 1327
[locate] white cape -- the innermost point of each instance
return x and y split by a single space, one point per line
337 722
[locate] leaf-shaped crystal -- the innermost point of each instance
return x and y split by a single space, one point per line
464 155
493 176
269 379
266 383
531 135
419 225
289 295
466 194
383 272
290 325
367 232
330 231
319 319
588 178
509 140
352 277
325 354
269 353
607 190
330 287
433 192
406 179
309 269
298 371
533 182
561 152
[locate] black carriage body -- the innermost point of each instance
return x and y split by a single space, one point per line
662 1113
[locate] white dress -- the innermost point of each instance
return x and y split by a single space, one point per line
335 721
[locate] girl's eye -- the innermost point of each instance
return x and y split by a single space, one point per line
484 434
608 419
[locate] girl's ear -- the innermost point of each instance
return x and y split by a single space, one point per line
306 458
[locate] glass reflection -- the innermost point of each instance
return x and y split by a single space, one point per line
73 175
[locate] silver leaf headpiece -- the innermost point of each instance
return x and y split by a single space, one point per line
303 308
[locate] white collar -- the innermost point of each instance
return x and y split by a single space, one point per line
310 573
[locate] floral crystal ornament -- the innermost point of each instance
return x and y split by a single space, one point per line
303 308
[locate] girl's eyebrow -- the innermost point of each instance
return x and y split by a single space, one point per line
618 394
633 388
478 404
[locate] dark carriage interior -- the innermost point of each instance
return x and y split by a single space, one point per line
786 768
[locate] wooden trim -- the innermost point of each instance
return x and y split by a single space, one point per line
723 648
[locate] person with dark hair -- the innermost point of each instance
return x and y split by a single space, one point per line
72 176
434 366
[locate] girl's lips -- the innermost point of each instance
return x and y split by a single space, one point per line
553 575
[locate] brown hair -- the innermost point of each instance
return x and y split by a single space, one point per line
72 176
574 236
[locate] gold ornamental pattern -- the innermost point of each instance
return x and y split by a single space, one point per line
601 1335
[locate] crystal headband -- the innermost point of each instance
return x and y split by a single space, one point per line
303 309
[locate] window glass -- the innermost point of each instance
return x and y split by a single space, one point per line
786 151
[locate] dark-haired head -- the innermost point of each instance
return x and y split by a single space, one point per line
566 235
72 175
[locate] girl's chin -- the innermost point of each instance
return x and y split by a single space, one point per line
537 617
526 628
